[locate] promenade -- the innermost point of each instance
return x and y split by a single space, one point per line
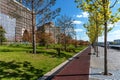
97 65
89 67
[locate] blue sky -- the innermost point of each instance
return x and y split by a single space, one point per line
68 7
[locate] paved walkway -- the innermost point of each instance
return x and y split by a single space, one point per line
97 65
77 69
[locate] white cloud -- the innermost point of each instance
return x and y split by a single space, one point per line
114 35
114 25
84 14
110 25
77 22
115 32
78 30
111 36
118 23
79 16
85 38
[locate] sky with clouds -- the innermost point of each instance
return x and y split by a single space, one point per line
68 7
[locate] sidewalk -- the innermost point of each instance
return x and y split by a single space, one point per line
97 65
77 69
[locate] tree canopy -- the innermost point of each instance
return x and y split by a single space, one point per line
105 15
2 35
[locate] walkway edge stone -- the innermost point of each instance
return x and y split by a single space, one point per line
59 67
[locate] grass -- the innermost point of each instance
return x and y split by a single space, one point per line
16 63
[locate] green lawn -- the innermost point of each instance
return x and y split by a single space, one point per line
17 63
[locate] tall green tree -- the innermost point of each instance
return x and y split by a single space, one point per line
102 7
95 27
92 30
107 18
2 35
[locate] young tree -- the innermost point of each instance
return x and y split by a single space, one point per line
103 7
44 38
26 36
94 28
93 33
2 35
66 27
107 18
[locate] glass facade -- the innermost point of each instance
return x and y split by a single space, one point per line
117 41
9 24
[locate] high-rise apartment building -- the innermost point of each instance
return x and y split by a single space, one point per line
15 19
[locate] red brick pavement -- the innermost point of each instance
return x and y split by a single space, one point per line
77 69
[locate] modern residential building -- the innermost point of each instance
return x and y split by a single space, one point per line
50 29
117 41
15 19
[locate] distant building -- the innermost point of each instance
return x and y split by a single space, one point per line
117 41
50 28
15 19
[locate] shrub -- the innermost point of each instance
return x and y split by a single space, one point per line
57 47
71 48
6 50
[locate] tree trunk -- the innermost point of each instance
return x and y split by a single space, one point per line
58 51
105 39
105 51
33 29
93 46
0 41
65 47
97 42
97 35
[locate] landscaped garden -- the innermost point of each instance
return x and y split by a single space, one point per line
18 63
